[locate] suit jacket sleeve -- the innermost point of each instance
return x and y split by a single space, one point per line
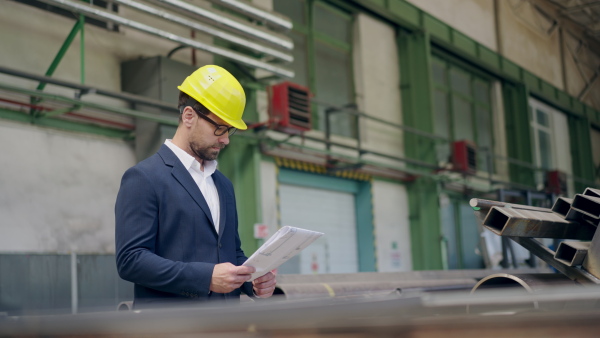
136 224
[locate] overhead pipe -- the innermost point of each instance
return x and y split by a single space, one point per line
207 29
537 224
84 89
122 111
572 253
79 8
225 22
271 19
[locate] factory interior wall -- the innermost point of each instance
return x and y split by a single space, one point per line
379 95
58 189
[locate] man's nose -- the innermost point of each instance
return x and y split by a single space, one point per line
224 139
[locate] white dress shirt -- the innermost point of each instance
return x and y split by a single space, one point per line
202 178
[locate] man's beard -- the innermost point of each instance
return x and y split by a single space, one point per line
206 153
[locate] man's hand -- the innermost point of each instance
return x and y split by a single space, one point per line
227 277
264 285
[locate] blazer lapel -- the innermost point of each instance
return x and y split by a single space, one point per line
184 178
222 201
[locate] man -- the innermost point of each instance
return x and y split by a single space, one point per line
176 219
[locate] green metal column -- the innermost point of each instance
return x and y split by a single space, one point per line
518 132
367 258
417 91
425 224
581 152
240 162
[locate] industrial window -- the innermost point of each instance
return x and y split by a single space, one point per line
101 4
551 143
462 111
322 37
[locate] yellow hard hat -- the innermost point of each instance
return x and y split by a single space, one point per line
219 91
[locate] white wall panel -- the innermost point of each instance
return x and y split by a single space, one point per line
268 190
392 227
377 83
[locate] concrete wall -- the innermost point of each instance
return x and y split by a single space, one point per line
475 18
581 63
58 189
524 39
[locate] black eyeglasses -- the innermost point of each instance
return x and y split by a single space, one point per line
220 129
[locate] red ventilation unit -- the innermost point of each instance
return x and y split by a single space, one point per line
556 182
464 156
290 107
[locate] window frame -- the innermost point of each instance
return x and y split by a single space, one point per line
312 36
474 76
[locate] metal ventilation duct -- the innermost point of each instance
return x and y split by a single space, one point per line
228 23
207 29
87 10
248 9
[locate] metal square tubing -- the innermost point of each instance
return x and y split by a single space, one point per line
530 223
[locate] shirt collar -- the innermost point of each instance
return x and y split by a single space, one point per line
188 160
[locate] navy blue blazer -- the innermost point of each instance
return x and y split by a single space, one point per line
166 242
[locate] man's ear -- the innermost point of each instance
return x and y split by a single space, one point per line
188 116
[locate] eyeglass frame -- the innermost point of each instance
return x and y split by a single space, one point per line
228 129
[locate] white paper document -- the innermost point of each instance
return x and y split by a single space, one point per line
286 243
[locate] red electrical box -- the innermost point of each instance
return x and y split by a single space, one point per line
289 107
556 182
464 156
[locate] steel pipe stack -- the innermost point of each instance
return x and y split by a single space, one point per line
576 219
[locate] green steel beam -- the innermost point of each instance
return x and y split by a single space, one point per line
417 109
62 51
365 229
240 162
425 224
416 89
